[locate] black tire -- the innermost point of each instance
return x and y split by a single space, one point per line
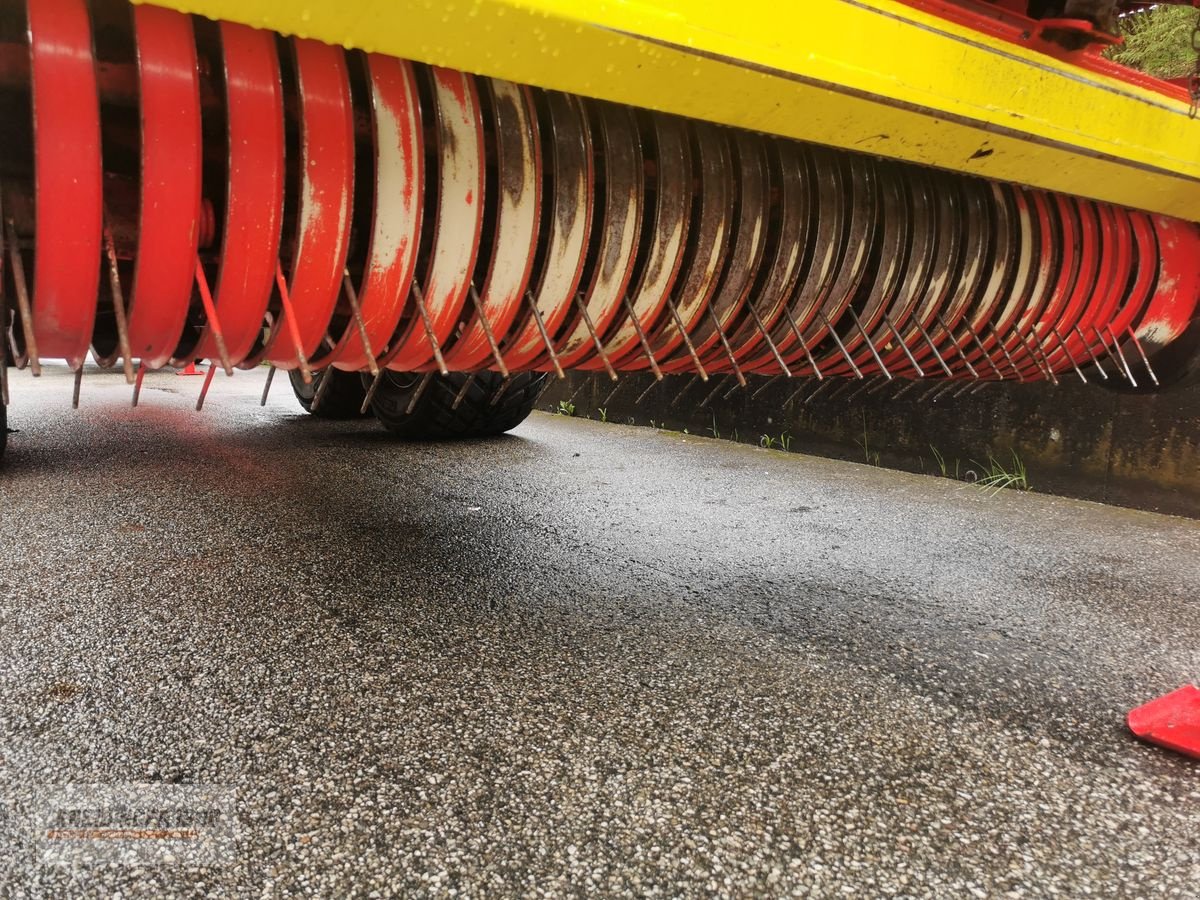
434 417
343 399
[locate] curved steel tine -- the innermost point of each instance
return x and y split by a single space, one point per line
1088 347
805 384
642 395
321 389
352 299
787 311
687 340
932 346
78 385
1007 355
425 379
267 386
587 319
1040 349
870 344
429 333
841 346
822 386
762 329
950 334
716 390
611 394
983 351
1121 354
766 384
904 346
1107 349
904 390
641 333
208 377
736 387
370 395
683 390
867 386
1142 353
285 298
541 326
118 299
1036 360
462 391
137 382
23 307
487 331
503 390
737 370
1063 344
210 310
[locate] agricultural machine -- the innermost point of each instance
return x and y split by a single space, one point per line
426 209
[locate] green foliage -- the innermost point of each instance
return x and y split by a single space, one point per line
565 408
1158 41
603 410
997 477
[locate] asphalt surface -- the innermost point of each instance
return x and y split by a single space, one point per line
582 658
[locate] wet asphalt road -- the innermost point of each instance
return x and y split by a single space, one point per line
583 657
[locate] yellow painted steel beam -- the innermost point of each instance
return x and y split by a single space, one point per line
868 75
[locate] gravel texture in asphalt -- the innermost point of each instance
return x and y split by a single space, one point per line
582 657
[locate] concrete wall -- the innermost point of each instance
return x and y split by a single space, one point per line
1074 439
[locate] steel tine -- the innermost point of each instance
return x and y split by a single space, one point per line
1007 355
932 346
424 383
766 337
78 385
803 346
582 384
487 331
933 392
841 346
587 320
865 386
870 344
326 380
1107 349
1070 356
118 298
642 395
267 386
611 394
208 377
1039 347
982 350
294 329
716 390
737 386
766 384
805 384
847 384
503 390
541 326
366 404
822 386
683 390
462 391
904 390
1121 354
210 310
1142 353
23 307
904 346
876 388
1033 356
137 382
352 298
641 333
737 370
1088 347
686 339
950 334
433 341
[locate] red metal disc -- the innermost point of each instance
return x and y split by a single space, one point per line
169 90
67 180
326 194
254 197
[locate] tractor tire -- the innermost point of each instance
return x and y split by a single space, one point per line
490 406
343 398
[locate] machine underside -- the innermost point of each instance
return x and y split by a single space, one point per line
179 189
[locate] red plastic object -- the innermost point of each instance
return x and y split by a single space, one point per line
1171 721
189 369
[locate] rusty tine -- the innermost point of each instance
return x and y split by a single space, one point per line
352 298
737 386
1007 355
683 390
208 377
433 341
210 310
326 380
293 329
687 339
870 344
770 343
1142 353
587 320
1121 353
841 346
637 326
1036 361
766 384
904 346
950 334
370 395
1039 346
803 346
711 394
267 386
1063 344
23 307
424 383
487 330
737 370
932 346
78 385
137 382
982 350
541 326
496 397
462 391
118 298
1088 347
